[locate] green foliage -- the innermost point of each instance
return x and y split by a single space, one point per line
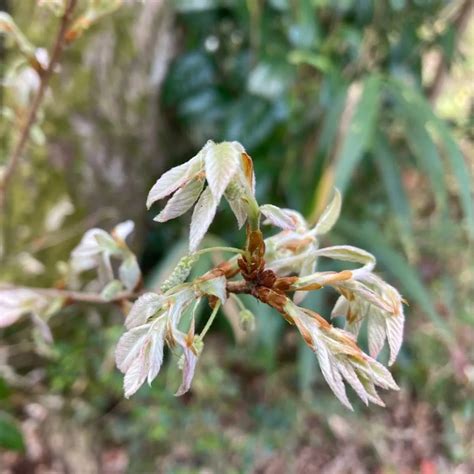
10 436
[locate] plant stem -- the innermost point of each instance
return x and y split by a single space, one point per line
210 320
238 301
220 249
253 214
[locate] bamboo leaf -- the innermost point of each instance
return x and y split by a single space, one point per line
359 136
390 173
451 149
422 145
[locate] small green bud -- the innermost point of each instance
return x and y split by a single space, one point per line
247 320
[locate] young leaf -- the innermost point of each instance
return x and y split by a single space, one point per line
330 215
239 209
129 272
42 327
144 308
221 162
215 287
394 326
123 230
139 354
277 217
181 201
129 345
189 367
172 180
203 215
137 373
376 332
17 302
156 355
348 253
9 27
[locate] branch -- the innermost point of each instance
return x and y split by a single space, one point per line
45 77
238 287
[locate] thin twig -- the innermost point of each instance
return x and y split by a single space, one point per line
45 76
238 287
210 321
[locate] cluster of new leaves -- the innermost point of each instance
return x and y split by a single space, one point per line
155 320
278 271
226 168
96 250
284 263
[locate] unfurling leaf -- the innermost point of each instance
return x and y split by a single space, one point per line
190 357
173 180
17 302
203 215
181 201
96 249
278 217
375 300
340 358
221 161
215 287
144 308
139 355
329 216
129 272
121 231
347 253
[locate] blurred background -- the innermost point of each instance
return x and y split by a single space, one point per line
374 97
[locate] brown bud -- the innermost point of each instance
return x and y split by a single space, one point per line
267 278
284 284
